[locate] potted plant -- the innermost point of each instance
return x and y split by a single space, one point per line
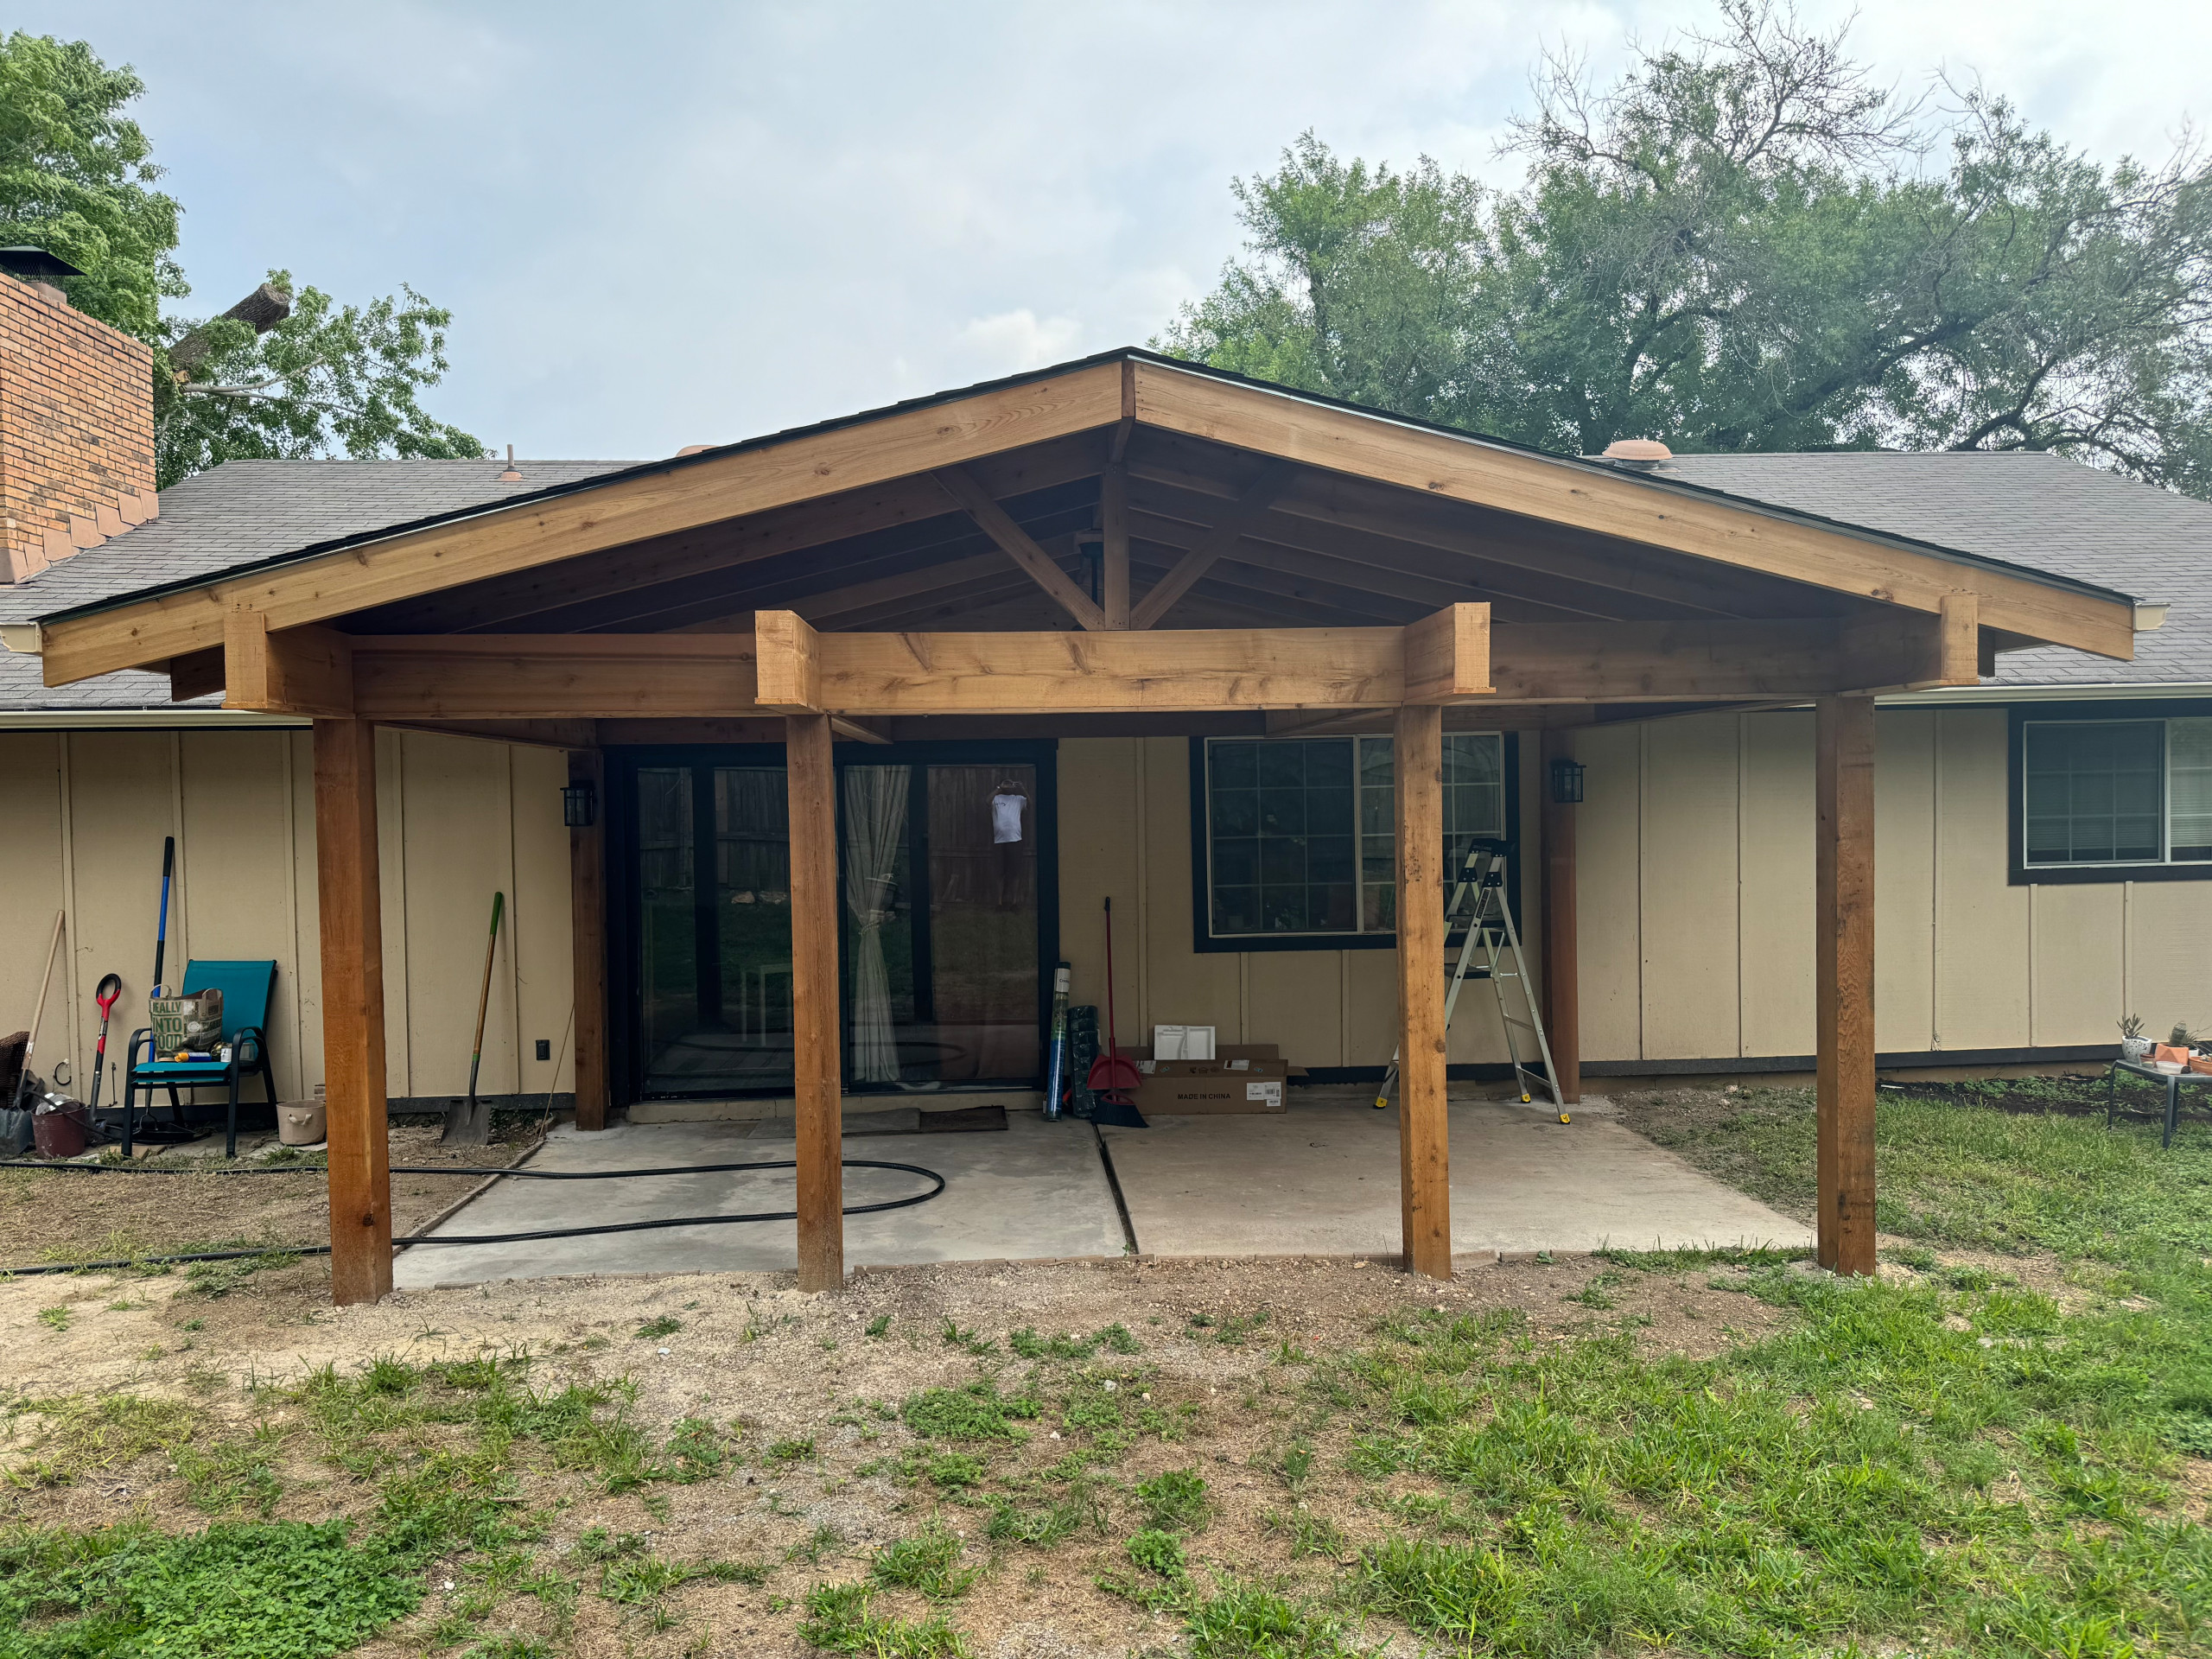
2134 1047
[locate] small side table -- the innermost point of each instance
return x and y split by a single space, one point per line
2173 1080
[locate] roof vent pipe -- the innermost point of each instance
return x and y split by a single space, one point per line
512 475
1644 453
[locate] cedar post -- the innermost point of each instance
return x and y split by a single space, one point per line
588 940
1844 886
1114 521
1562 968
817 1083
1424 1148
352 1009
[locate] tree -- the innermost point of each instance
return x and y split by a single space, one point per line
76 179
1746 245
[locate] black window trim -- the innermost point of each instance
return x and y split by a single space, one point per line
1202 935
2115 710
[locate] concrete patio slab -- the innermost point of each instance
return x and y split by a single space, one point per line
1322 1179
1038 1190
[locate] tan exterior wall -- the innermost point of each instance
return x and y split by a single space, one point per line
82 816
1125 833
1696 906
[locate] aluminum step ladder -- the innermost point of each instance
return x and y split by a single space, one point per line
1478 910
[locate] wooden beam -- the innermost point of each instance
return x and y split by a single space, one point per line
790 666
859 731
196 674
817 1083
572 734
614 733
672 498
1181 669
1114 521
1562 941
350 920
1424 1140
1614 503
1447 655
477 676
1893 650
1844 980
588 940
1014 542
1256 497
291 671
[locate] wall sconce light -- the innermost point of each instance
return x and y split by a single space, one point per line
580 806
1567 782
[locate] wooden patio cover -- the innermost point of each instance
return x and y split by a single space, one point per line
1263 560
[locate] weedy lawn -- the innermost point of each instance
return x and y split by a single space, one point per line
1995 1448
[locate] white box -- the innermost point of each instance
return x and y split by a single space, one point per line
1182 1042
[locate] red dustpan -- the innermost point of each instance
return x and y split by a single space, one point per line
1111 1075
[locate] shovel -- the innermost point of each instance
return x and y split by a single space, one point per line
104 993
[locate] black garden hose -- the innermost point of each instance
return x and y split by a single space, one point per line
471 1238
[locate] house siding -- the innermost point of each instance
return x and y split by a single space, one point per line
82 817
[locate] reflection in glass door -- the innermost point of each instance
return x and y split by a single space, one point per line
939 890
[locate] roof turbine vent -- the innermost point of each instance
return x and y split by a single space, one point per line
1644 453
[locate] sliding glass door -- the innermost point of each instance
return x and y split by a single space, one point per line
945 889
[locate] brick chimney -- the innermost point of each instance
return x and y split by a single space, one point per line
76 430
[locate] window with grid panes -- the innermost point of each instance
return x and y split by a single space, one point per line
1300 838
2116 792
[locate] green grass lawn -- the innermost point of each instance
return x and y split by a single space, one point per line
1993 1448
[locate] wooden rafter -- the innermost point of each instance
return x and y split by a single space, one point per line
668 501
1256 499
1592 498
963 487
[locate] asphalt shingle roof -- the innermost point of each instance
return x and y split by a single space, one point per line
245 512
2032 510
2023 507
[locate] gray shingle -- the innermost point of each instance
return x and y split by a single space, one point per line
2027 508
246 512
23 691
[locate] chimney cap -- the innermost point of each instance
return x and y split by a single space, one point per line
1644 452
35 264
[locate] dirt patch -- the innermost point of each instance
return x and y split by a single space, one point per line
1223 1349
60 1216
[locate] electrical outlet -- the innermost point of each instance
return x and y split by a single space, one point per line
544 1048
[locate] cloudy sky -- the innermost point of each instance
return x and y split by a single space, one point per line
662 224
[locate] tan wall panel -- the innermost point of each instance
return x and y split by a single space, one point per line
458 854
122 802
306 910
1608 909
2079 958
543 959
2169 956
1182 985
1296 1001
391 903
1371 999
1100 791
1904 879
1688 881
1775 919
238 828
1981 965
34 889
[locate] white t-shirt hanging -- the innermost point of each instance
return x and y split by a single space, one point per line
1006 817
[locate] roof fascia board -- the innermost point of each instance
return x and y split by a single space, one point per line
1654 512
597 515
2107 691
76 720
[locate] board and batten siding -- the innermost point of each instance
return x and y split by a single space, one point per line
1125 833
1695 843
82 817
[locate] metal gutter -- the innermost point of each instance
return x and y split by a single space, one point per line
72 720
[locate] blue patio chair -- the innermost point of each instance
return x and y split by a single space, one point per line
247 988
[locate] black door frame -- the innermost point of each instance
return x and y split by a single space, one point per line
624 935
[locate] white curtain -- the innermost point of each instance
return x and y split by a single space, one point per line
875 830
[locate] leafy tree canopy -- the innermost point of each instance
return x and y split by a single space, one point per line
76 179
1744 245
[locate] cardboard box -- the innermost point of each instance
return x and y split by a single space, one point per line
1187 1088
